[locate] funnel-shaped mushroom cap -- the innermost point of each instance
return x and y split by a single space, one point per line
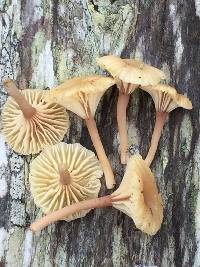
131 71
46 127
166 98
145 205
64 174
78 94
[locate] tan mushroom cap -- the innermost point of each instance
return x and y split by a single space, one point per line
131 71
166 98
79 93
145 204
50 192
46 127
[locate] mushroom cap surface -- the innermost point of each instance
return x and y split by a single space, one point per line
145 204
29 136
131 71
49 193
166 98
79 93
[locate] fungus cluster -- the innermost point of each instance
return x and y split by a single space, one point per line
137 196
65 178
81 95
129 74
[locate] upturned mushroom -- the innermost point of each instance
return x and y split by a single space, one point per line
145 205
129 74
64 174
29 122
165 99
81 95
137 196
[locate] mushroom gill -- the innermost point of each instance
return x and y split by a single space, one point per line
129 74
166 99
137 196
81 95
29 122
64 174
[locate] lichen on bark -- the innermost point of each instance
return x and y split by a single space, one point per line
42 43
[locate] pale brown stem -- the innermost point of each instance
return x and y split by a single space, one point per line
100 202
68 210
65 177
122 104
92 128
160 121
13 91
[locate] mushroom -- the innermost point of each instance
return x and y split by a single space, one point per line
81 95
165 99
129 74
64 174
30 123
137 196
145 204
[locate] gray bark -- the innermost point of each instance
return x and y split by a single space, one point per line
44 42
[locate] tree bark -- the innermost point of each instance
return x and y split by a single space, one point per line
42 43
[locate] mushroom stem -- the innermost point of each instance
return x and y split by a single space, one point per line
122 104
65 177
93 131
50 218
13 91
160 121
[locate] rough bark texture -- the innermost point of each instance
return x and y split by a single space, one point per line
44 42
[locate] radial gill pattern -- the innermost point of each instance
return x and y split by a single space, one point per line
46 127
48 189
166 98
164 102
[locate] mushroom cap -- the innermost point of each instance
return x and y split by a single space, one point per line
131 71
29 136
79 93
145 204
166 98
49 193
